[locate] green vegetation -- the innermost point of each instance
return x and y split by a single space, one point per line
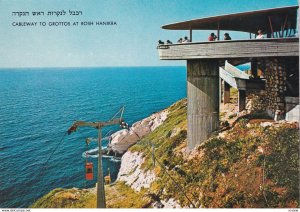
166 137
236 167
118 195
66 198
233 95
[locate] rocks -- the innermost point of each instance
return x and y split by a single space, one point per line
266 124
227 115
131 173
174 132
275 84
256 101
67 195
170 203
232 115
260 149
222 134
277 124
125 138
158 205
135 177
281 79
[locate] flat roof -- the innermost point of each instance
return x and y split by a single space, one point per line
246 22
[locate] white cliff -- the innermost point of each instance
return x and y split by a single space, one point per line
131 173
135 177
123 139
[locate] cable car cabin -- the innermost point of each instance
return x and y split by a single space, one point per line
107 179
89 171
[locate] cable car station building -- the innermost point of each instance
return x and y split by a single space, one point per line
277 56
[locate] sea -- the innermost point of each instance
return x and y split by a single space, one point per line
38 105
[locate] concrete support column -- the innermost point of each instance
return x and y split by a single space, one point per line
191 35
203 100
254 67
226 93
241 100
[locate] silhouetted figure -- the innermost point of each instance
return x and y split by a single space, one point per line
160 42
226 36
186 40
179 40
169 42
212 37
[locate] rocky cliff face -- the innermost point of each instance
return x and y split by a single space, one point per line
123 139
131 172
133 175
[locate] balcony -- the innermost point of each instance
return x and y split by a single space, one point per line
231 49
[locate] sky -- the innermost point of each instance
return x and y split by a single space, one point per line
131 42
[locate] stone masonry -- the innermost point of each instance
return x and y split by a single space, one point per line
276 70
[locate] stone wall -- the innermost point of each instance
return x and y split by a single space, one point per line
281 76
276 71
256 101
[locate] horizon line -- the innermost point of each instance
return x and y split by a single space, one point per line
57 67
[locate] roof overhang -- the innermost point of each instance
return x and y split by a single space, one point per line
245 22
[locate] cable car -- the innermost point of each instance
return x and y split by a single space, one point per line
107 178
89 171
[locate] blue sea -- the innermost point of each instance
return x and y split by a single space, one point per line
37 106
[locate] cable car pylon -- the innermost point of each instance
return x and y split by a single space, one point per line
101 203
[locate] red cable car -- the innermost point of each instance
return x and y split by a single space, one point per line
89 171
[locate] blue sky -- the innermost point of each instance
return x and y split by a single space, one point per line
131 43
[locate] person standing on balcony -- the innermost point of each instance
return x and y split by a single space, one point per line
186 40
212 37
226 36
160 42
260 35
